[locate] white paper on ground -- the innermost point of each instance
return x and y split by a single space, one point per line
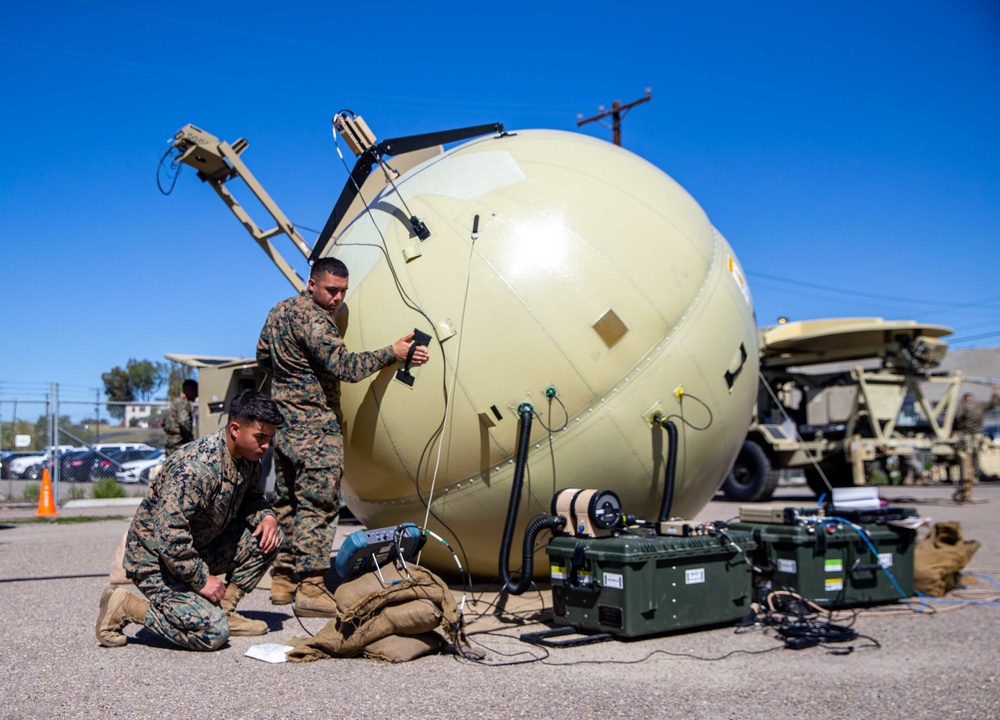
269 652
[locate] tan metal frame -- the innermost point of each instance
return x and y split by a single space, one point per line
218 162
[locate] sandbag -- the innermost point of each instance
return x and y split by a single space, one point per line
939 558
413 605
403 648
358 599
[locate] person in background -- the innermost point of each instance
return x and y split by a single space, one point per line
970 413
968 425
181 418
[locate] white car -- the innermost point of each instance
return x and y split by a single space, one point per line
20 465
138 470
104 447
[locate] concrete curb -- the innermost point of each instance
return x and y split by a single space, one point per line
103 502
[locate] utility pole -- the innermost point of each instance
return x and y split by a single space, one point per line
617 113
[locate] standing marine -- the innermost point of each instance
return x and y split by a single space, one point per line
970 413
302 349
202 538
968 425
180 425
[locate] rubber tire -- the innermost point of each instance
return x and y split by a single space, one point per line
839 476
32 472
752 478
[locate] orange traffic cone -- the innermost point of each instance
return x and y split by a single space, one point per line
46 501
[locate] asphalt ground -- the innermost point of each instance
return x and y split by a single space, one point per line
942 663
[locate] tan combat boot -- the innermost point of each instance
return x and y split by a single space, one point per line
239 626
283 586
312 599
119 607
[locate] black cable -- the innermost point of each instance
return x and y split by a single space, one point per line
711 416
174 165
411 304
565 412
800 627
650 654
520 617
670 471
532 658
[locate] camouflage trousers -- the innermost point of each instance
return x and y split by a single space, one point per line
179 614
307 500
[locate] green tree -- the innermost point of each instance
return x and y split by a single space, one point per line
138 381
146 377
177 373
118 388
40 433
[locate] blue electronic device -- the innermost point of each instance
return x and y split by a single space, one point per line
366 550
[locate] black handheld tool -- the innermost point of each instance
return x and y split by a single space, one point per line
403 374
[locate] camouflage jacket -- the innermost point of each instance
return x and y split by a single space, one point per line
179 425
198 493
969 418
301 348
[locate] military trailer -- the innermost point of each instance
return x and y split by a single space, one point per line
220 379
838 398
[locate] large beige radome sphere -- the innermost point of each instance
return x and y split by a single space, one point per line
589 272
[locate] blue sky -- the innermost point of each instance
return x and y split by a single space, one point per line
849 151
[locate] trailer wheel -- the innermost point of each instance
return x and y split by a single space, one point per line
838 475
752 479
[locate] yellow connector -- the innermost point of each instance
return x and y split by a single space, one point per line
679 392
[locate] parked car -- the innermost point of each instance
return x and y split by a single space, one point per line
110 461
105 447
34 472
77 466
9 455
21 463
88 465
19 467
138 470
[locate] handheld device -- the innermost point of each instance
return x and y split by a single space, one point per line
403 374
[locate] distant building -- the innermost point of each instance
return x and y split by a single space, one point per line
139 412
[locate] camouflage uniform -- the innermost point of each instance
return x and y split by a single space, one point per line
969 418
969 425
197 519
179 425
301 348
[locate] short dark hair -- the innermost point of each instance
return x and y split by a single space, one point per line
251 405
329 265
189 384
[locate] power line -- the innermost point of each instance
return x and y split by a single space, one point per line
981 336
876 296
617 113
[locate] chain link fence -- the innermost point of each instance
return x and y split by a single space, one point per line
83 444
